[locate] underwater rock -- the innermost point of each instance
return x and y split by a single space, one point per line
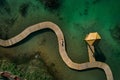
2 3
4 32
51 4
115 32
80 13
22 58
52 64
42 41
86 11
10 21
95 1
4 7
87 4
23 9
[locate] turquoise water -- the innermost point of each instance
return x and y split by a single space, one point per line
76 18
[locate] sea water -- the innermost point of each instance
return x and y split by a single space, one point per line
76 18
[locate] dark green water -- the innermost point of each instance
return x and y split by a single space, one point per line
76 18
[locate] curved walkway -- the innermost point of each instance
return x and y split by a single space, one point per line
62 50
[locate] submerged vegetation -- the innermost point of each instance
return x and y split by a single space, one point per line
34 70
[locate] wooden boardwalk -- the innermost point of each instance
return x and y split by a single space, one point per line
62 50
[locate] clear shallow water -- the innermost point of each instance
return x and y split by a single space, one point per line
76 18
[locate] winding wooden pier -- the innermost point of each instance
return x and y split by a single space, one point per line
62 50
